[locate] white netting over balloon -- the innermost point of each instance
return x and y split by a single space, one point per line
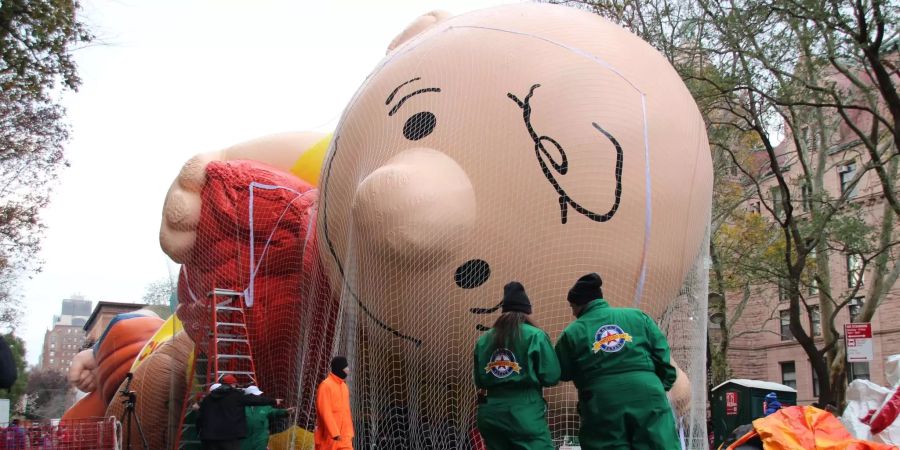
528 143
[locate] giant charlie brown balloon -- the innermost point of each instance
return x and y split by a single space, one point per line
527 142
530 143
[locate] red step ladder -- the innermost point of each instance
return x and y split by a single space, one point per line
226 352
229 347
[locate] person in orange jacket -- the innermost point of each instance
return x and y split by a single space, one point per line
334 426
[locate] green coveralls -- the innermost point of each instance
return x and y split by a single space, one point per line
258 426
619 361
513 413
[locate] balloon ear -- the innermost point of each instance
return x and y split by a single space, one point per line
417 27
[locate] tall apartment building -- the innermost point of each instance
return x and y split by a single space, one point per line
65 339
765 348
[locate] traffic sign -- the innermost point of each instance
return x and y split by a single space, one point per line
858 337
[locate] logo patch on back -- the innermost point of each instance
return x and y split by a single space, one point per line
503 364
610 339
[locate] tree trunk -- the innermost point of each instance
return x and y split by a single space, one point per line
838 377
806 341
719 351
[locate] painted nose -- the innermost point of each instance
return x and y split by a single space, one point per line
420 204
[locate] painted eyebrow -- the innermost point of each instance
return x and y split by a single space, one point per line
406 97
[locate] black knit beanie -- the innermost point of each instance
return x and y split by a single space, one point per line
515 299
338 364
586 289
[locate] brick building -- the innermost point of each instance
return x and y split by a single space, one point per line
64 340
765 349
103 314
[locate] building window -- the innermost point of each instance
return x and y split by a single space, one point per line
858 371
51 360
815 320
846 174
854 270
855 308
775 195
786 326
806 196
754 207
815 381
789 374
782 295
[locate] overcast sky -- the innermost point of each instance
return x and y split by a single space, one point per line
171 78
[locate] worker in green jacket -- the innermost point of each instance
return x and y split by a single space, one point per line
619 361
513 362
258 419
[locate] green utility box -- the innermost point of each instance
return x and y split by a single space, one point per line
738 402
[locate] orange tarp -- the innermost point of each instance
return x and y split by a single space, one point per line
805 428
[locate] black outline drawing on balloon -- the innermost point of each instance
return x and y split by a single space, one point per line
420 124
561 167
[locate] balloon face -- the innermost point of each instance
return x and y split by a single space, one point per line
529 143
501 146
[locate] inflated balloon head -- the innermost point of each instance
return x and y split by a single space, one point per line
515 299
531 143
586 289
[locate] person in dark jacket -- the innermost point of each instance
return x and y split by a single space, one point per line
620 363
221 422
8 370
14 436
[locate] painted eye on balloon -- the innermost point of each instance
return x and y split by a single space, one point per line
419 125
472 273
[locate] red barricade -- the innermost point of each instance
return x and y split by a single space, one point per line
97 433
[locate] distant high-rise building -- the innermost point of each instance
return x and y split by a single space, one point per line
66 337
76 306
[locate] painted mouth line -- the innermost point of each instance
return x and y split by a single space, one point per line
479 326
485 310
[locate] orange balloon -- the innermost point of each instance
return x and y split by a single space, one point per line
119 345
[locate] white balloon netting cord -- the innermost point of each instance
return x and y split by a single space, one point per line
684 323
